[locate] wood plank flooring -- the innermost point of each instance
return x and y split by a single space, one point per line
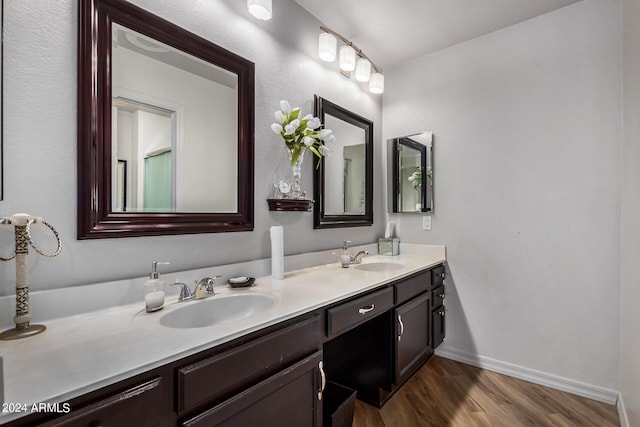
447 393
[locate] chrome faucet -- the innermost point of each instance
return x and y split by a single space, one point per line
347 259
203 289
357 258
185 292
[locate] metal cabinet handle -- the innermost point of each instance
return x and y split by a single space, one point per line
441 275
441 296
401 327
365 310
441 313
324 380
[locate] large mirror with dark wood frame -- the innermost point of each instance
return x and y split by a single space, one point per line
343 182
165 128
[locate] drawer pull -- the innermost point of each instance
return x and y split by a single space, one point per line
401 327
365 310
441 313
441 296
324 380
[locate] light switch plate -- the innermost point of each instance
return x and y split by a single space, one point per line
426 222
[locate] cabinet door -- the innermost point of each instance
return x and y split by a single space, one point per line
438 326
412 336
291 397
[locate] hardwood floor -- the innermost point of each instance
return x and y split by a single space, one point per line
447 393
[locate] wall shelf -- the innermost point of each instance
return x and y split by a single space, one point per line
290 205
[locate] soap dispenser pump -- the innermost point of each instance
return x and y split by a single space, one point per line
154 289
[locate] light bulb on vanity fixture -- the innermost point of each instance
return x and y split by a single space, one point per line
327 47
261 9
351 59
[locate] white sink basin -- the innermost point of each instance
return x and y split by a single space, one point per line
217 310
379 266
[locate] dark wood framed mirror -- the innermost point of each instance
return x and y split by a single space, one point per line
343 182
411 173
140 76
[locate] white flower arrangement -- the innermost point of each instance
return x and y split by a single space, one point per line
301 134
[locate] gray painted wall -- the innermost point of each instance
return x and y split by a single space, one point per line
40 137
630 290
527 141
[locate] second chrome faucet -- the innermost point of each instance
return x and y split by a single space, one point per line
347 259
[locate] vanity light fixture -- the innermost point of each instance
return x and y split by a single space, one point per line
261 9
351 59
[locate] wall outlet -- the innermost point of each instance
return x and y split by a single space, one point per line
426 222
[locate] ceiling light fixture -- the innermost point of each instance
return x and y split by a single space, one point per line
351 59
261 9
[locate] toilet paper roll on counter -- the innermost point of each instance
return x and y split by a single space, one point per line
277 252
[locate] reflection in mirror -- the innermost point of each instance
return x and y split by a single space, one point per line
343 184
165 127
173 114
345 169
412 172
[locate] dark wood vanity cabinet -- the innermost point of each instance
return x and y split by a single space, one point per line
372 343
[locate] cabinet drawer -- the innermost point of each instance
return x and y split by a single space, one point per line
437 296
412 286
289 398
437 275
140 406
232 371
353 313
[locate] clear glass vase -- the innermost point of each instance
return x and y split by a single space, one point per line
296 177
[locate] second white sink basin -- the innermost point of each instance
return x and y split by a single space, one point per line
216 310
379 266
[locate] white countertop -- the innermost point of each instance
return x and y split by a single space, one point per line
82 353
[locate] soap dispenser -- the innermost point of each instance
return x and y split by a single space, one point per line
345 258
154 289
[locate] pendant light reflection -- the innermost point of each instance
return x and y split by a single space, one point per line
351 59
261 9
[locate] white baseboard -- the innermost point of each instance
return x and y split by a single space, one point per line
559 383
622 413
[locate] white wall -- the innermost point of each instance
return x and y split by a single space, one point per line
527 147
630 290
40 138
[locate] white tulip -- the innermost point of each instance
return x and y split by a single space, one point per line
324 150
285 107
295 123
313 123
325 133
289 129
276 128
279 116
330 138
307 117
308 141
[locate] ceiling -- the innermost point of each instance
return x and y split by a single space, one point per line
393 31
